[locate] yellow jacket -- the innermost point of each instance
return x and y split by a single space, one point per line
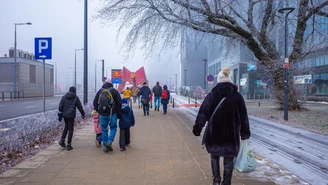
127 93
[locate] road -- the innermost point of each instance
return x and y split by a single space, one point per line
303 153
17 108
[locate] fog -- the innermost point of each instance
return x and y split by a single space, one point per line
63 21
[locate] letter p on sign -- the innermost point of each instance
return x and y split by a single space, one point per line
42 48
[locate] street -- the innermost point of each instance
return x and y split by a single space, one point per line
17 108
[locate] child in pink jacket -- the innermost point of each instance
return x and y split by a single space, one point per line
97 127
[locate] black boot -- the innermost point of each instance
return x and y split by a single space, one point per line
69 147
228 169
62 143
215 163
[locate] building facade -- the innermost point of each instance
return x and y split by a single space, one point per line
29 76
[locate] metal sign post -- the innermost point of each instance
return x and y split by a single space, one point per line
42 51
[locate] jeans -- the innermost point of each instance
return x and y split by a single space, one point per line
69 127
99 137
157 102
112 122
164 108
124 137
145 108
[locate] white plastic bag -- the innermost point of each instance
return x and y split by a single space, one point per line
245 161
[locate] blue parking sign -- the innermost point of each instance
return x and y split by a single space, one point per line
42 48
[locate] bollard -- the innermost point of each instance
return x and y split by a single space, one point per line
18 94
188 99
11 95
173 103
3 95
171 100
195 102
259 104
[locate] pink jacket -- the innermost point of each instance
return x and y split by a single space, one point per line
96 124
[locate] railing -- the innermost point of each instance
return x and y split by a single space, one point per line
11 95
258 96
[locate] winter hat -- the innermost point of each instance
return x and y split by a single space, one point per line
72 89
144 83
108 80
224 75
124 100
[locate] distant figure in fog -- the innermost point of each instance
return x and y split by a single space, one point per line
157 89
144 93
67 110
229 125
165 98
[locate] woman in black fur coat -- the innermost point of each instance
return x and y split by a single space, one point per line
229 125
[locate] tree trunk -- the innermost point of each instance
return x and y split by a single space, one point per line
278 90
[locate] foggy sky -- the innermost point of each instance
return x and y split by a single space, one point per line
63 21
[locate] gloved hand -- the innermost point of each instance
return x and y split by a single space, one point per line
60 119
196 131
83 117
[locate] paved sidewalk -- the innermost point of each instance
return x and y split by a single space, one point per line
163 151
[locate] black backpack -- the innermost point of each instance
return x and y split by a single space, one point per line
105 101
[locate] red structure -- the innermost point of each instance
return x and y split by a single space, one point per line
134 78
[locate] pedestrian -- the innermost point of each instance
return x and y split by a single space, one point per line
165 97
134 93
157 89
67 110
127 120
225 111
108 103
144 93
151 100
127 94
97 127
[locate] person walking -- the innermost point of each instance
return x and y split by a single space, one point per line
67 110
144 93
225 111
134 93
157 89
108 103
127 120
165 97
127 94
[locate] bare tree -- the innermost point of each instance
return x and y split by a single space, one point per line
250 23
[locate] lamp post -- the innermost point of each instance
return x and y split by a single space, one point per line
102 68
286 65
85 80
75 66
15 56
205 60
185 78
176 83
170 84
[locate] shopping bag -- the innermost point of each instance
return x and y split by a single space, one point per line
245 161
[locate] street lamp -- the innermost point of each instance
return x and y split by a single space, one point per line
205 60
96 72
185 78
286 65
176 83
15 56
75 66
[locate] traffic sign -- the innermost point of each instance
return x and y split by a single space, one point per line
42 48
210 78
117 76
265 80
251 67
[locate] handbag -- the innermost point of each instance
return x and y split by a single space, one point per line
245 161
206 135
144 101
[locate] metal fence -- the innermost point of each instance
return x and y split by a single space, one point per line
9 95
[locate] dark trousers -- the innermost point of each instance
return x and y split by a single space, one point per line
69 127
124 137
165 108
145 108
228 168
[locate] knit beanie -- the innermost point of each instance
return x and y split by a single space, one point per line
224 75
72 89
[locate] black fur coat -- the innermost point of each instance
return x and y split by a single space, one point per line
230 122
